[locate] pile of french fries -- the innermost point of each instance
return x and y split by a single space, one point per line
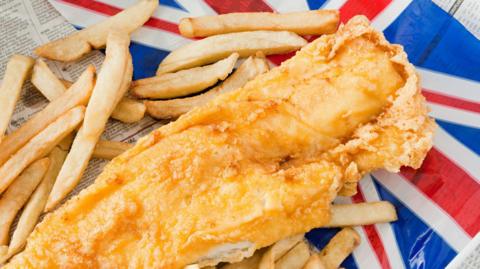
42 161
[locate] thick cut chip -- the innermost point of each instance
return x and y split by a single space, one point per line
339 247
313 22
129 110
17 195
78 94
74 46
214 48
277 250
167 109
46 82
314 262
294 258
17 71
106 94
40 145
184 82
36 203
249 168
362 214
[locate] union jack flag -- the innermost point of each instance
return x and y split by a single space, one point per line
437 205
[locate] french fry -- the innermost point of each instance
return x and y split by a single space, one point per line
339 247
78 94
294 258
40 145
17 195
36 203
184 82
18 68
167 109
109 149
80 43
129 110
314 22
46 82
248 263
314 262
344 215
126 79
277 250
104 98
214 48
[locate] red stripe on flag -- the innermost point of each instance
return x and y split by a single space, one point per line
106 9
451 101
369 8
450 187
227 6
280 58
373 236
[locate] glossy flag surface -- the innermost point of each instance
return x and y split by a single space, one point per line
437 205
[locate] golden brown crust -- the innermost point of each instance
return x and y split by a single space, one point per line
295 193
406 118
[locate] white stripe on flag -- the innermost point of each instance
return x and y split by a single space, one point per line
449 85
283 6
384 230
152 37
455 115
197 7
389 14
334 4
163 12
364 254
433 215
170 14
458 153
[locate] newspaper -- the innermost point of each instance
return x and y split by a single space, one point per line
26 24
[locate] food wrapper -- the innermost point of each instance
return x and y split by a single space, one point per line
438 204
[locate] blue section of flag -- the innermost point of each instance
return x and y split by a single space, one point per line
420 246
316 4
172 3
433 39
469 136
319 238
145 60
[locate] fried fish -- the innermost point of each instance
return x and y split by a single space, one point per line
250 167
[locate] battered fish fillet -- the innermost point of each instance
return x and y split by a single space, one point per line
249 168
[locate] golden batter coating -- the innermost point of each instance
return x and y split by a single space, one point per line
249 168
